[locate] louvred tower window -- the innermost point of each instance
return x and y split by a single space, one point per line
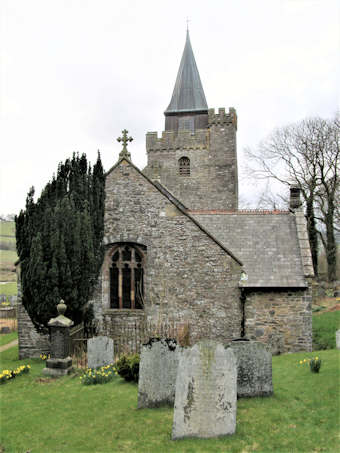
127 277
184 166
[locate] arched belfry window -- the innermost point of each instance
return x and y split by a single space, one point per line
184 166
127 276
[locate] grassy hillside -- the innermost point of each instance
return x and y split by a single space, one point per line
8 257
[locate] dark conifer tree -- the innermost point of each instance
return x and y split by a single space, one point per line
59 241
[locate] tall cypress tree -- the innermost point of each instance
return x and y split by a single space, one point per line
59 240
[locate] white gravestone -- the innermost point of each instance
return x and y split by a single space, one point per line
157 373
99 351
337 339
206 392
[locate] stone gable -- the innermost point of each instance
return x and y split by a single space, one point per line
189 276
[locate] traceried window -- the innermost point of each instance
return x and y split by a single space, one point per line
127 276
184 166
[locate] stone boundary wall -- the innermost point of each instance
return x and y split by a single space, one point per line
31 344
280 318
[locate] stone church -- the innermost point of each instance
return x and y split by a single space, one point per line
177 247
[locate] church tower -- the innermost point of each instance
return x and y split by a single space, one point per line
195 158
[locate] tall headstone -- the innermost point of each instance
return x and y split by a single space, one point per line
60 362
157 373
337 338
206 395
254 368
99 351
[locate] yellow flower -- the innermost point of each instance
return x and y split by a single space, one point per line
316 358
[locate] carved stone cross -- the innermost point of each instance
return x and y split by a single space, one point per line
125 139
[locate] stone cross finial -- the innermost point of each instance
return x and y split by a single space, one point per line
125 139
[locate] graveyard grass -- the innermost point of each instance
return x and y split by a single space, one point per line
7 338
45 415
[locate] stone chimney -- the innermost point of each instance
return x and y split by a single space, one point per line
294 199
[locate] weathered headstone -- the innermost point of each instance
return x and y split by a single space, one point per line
337 338
157 373
205 402
254 368
60 362
99 351
5 329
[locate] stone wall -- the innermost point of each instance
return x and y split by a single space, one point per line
280 318
188 275
31 344
213 180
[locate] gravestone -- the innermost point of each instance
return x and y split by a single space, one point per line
206 394
337 338
99 351
254 368
60 362
157 373
5 329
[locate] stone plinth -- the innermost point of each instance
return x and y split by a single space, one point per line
157 373
60 362
99 352
254 368
206 394
337 338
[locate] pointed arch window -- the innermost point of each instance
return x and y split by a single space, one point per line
184 166
127 276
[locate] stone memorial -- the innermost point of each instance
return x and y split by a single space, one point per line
157 373
254 368
60 362
206 394
99 351
337 338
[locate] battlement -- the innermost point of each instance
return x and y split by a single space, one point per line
171 140
222 117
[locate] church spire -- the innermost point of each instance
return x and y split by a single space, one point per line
188 94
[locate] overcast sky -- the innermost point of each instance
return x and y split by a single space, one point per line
74 73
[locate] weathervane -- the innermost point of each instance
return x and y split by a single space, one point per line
187 24
125 139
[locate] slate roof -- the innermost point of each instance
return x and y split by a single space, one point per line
188 94
265 241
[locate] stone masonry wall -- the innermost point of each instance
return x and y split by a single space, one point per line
31 344
213 180
188 276
280 318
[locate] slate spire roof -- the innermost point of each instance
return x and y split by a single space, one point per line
188 94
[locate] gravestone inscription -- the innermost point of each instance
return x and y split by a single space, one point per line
206 395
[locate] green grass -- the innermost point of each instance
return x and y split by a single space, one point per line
7 229
43 415
8 337
9 289
8 257
324 327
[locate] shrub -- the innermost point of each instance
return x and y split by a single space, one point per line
98 376
127 367
315 364
324 327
